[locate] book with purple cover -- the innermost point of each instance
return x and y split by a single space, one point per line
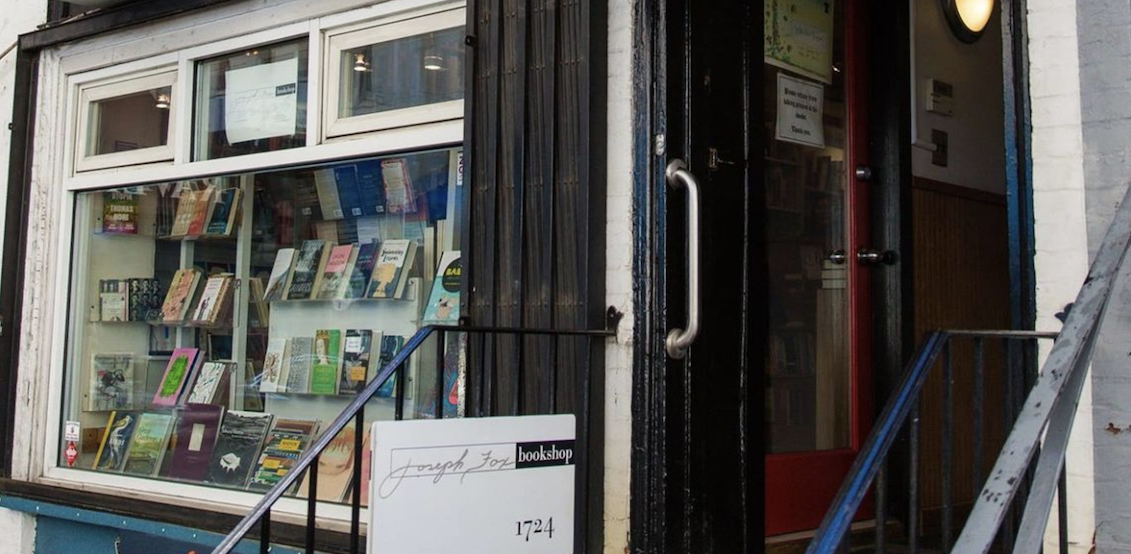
196 434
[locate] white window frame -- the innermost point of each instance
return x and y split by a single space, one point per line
62 81
377 32
91 93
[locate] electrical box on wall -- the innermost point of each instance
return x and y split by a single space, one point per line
940 97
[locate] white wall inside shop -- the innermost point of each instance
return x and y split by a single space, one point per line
20 16
975 132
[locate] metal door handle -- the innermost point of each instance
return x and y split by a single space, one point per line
679 339
867 256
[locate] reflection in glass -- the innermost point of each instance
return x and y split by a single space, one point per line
129 122
413 71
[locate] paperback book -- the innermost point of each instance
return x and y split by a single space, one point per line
274 378
113 300
399 197
285 444
390 346
112 451
223 219
280 279
335 468
196 432
335 275
237 448
147 449
301 362
327 194
119 213
181 366
307 276
211 384
201 212
179 298
327 361
213 300
111 382
362 270
391 271
356 360
443 303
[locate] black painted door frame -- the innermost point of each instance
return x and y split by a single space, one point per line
682 501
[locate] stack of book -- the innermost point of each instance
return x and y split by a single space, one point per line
135 299
210 307
209 211
333 361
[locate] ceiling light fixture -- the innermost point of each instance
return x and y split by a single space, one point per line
433 62
968 18
162 101
359 63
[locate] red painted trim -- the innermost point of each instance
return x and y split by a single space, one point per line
801 486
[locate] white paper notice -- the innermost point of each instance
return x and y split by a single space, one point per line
261 101
801 111
500 484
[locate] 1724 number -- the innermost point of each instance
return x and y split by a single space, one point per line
535 527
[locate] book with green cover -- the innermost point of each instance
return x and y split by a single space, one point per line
285 443
327 361
147 449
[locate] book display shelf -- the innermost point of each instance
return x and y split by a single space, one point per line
218 323
806 366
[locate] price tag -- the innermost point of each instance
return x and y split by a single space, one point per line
449 470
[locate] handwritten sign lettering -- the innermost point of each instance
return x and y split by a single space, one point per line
261 101
503 484
801 106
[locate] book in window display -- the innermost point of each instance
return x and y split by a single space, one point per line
182 365
186 207
147 448
211 384
196 432
443 303
309 264
362 270
328 199
327 361
112 451
119 213
201 212
356 359
114 300
335 275
223 218
111 382
399 197
348 193
275 364
390 345
335 468
391 271
285 444
301 364
281 272
237 447
214 299
370 187
178 301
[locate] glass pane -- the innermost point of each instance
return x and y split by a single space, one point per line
218 325
251 101
807 366
413 71
129 122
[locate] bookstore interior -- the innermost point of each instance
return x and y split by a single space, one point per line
216 322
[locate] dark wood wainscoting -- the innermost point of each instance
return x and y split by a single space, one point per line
961 281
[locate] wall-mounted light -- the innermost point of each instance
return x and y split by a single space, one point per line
433 62
359 63
968 18
162 102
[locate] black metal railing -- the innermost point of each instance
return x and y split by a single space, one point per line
1037 409
480 400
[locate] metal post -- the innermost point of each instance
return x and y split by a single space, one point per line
311 507
947 441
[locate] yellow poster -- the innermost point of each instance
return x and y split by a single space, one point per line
799 36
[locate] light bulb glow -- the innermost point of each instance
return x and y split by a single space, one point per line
433 63
975 14
162 102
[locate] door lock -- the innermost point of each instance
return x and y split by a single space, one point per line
868 256
837 257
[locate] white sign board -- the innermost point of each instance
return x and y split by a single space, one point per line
801 107
501 485
261 101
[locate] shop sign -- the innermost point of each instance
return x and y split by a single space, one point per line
503 484
261 101
799 36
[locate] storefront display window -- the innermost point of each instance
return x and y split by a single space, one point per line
126 122
218 323
396 73
253 100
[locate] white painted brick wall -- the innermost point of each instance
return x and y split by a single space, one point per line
618 278
1060 223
